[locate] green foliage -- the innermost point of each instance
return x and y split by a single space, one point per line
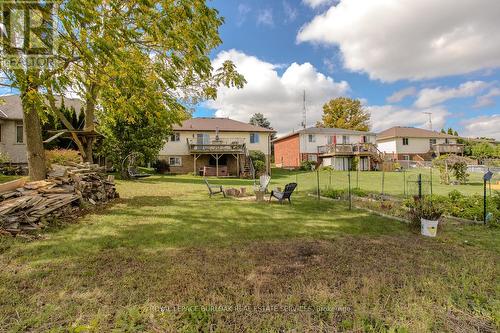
257 155
334 193
424 208
456 165
460 172
343 112
4 158
259 166
307 165
258 119
62 156
483 150
53 122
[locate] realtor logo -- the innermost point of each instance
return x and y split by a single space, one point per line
26 30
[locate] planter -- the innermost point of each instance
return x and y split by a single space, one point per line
259 195
428 227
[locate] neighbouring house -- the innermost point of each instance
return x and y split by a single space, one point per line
417 144
332 147
12 133
215 147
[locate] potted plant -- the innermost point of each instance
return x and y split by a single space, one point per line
425 214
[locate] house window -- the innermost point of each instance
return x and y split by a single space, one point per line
446 141
312 138
331 140
405 141
175 161
312 158
345 139
406 157
254 137
19 132
432 141
202 139
176 137
364 139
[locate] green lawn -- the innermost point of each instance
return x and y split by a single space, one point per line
4 179
158 258
394 182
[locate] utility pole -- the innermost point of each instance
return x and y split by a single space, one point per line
304 112
430 119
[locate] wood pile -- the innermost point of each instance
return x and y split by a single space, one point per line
60 195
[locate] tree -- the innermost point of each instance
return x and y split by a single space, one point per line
483 150
96 39
258 119
345 113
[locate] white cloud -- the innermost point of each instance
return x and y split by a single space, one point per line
399 95
483 126
428 97
329 64
265 17
408 39
278 97
316 3
291 13
487 99
386 116
243 11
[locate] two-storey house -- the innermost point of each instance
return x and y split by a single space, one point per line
215 147
333 147
417 144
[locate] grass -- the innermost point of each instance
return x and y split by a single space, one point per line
394 182
4 178
166 258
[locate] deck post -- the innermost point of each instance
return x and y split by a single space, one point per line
217 165
194 168
238 165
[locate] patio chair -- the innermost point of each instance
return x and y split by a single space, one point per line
285 195
214 189
264 181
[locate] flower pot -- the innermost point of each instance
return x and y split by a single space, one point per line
428 227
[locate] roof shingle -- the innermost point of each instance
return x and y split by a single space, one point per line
411 132
11 108
223 124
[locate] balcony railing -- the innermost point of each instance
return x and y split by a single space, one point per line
448 148
348 149
223 145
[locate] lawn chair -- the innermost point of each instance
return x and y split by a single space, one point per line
214 189
285 195
264 181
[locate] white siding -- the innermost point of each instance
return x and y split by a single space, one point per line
8 144
322 140
415 145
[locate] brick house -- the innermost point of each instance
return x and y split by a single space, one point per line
417 144
215 147
333 147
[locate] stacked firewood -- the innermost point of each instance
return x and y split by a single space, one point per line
62 194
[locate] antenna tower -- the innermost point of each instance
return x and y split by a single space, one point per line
430 119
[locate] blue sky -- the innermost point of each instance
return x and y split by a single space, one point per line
460 87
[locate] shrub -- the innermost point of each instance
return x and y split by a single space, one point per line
257 155
62 156
307 165
4 158
161 166
259 166
359 192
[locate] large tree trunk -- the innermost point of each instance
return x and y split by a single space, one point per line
34 142
89 120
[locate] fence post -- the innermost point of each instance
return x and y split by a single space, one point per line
404 182
383 180
297 181
431 181
357 177
349 188
330 181
419 182
317 179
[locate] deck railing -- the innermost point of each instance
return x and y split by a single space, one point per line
448 148
222 145
348 148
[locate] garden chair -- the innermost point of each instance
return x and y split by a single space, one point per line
264 181
285 195
214 189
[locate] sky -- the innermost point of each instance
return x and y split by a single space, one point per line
403 59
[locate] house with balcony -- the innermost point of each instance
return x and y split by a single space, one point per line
215 147
332 147
410 144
